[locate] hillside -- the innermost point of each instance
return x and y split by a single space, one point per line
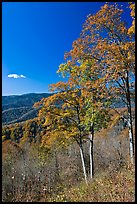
51 174
106 187
55 174
17 108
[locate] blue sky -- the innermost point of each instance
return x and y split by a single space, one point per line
35 36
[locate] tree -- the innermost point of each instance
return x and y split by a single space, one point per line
131 30
64 117
108 50
6 132
69 117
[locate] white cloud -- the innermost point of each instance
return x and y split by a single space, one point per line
22 76
15 76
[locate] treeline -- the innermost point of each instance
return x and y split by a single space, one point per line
30 130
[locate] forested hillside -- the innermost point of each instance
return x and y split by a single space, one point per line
20 107
34 173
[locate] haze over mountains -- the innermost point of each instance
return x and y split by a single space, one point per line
17 108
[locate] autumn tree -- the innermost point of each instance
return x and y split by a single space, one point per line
6 132
64 118
80 74
68 117
107 48
131 30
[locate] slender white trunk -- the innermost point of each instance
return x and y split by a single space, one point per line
130 126
130 130
131 141
91 154
91 136
83 163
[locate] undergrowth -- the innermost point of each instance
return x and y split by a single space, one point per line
113 185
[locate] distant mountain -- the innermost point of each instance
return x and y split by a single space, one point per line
17 108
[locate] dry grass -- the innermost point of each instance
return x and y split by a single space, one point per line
116 186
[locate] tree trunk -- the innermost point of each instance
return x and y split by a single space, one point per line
91 136
130 126
83 162
131 143
130 129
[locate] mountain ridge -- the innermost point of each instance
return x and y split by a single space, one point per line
17 108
